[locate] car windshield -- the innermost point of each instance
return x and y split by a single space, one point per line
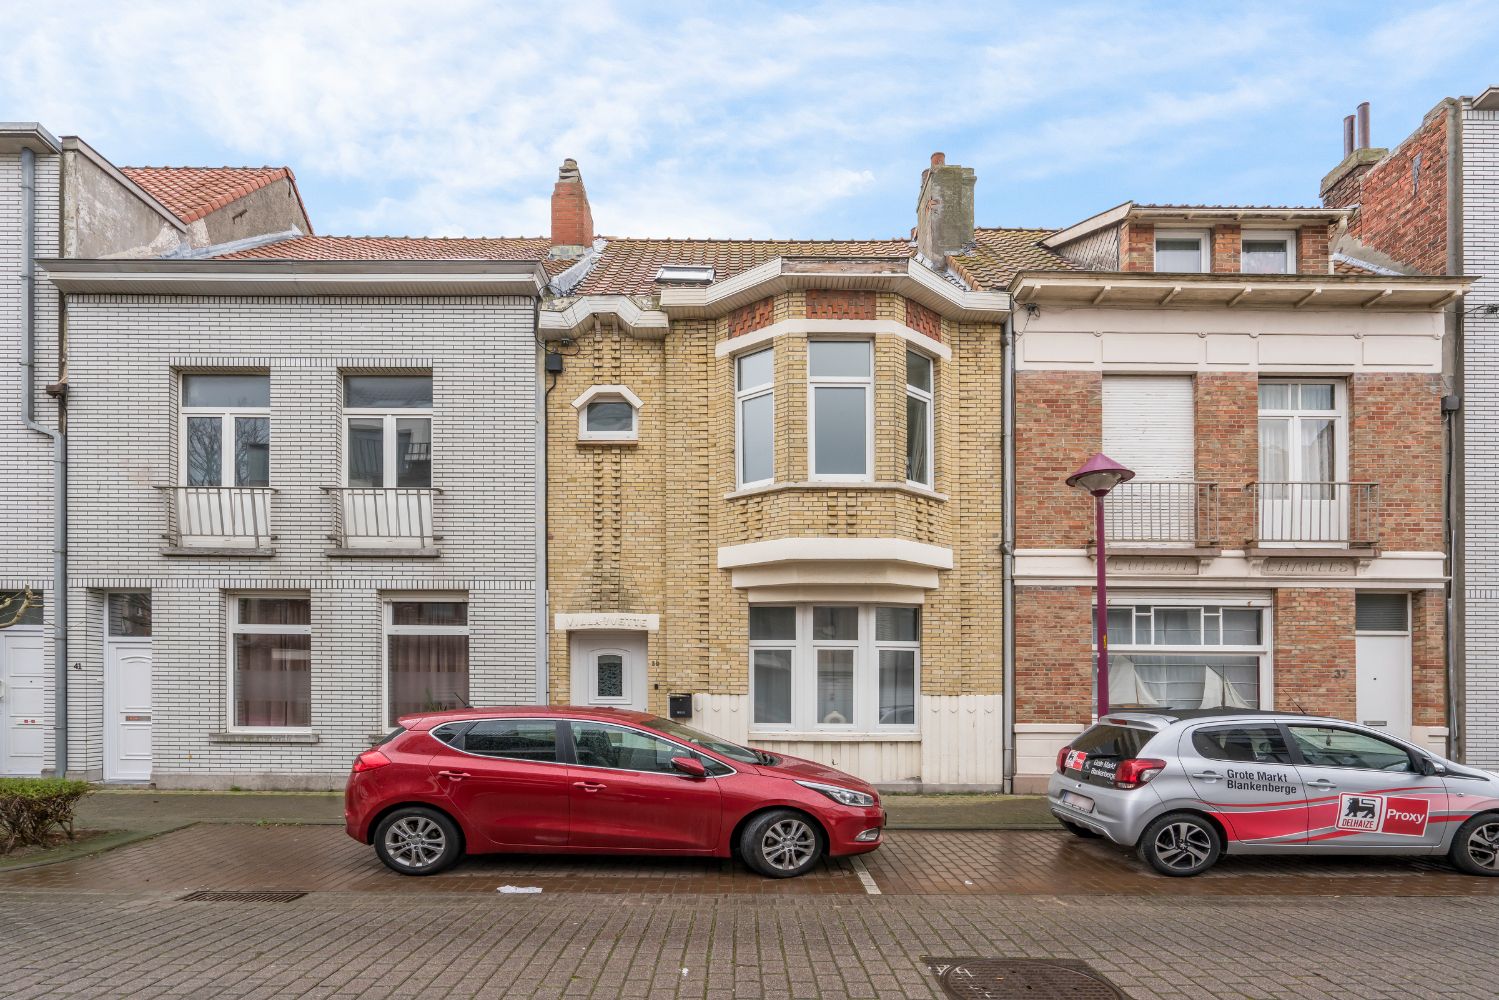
697 738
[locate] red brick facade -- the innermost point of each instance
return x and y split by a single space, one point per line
1428 658
1315 668
923 320
1054 644
1137 247
1312 250
1395 440
828 304
1227 245
1227 414
755 316
1058 424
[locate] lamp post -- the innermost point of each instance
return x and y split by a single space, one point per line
1097 477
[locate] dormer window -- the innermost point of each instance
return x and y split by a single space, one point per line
1181 251
1267 253
685 274
608 413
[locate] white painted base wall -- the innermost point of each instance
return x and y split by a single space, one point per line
1036 746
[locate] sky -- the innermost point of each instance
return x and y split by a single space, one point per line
744 119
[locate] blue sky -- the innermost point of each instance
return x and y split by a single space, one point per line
743 119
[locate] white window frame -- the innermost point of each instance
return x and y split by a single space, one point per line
1286 236
742 395
1339 415
929 397
226 415
608 393
840 381
1203 236
388 628
233 628
1265 650
389 415
866 674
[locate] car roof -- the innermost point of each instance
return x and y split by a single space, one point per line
426 720
1169 715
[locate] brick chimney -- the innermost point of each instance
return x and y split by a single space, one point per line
1344 185
572 219
944 210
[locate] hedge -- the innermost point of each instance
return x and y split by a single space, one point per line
31 807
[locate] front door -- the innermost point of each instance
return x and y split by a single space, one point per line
127 688
1383 646
1244 773
23 687
608 669
1364 791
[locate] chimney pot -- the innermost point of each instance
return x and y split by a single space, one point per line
1363 125
1348 136
939 159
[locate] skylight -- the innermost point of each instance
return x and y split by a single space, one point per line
690 274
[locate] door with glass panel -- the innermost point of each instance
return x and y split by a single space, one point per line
127 687
608 669
225 461
387 491
1301 496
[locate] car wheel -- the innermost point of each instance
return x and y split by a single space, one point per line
1475 846
417 841
1181 844
1078 830
782 844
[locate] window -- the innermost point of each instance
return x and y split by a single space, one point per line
755 414
835 667
1302 458
1249 744
20 607
226 430
271 678
841 379
1267 253
1328 746
1195 656
1381 613
1148 426
514 739
1181 252
390 430
599 744
608 413
918 418
129 615
426 655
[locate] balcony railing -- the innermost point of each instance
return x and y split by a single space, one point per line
219 516
1162 512
1323 513
368 517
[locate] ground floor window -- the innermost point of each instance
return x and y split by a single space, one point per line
1195 656
426 655
834 667
20 607
270 681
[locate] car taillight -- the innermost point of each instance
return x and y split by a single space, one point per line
1137 772
369 760
1062 759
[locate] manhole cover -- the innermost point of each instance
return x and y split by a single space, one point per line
240 896
1032 979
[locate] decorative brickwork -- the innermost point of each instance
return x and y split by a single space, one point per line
755 316
832 304
1428 659
1054 660
1058 424
1227 415
1315 652
1396 442
923 320
1138 241
1227 244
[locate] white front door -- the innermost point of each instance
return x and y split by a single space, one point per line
608 669
1383 651
23 690
127 688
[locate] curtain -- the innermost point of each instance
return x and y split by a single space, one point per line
272 680
427 673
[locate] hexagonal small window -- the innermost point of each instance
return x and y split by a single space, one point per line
608 413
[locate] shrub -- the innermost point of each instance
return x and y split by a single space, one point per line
31 807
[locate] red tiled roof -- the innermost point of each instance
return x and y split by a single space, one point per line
194 192
1348 267
629 266
999 253
399 248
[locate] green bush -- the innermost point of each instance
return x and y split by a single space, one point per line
31 807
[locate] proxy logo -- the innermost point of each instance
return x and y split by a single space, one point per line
1075 759
1405 817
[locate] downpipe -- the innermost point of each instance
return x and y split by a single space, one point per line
1007 548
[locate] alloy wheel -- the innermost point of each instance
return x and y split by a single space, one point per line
415 841
788 844
1483 846
1183 846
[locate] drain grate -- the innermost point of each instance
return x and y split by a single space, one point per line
1033 979
241 896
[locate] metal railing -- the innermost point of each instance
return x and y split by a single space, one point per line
1322 512
1162 511
373 516
219 516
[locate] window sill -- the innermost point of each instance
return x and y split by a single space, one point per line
391 552
262 739
217 551
901 487
767 736
609 442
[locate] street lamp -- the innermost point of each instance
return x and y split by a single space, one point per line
1098 476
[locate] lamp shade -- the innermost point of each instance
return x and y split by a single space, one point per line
1099 475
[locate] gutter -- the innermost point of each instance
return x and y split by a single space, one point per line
1007 548
59 598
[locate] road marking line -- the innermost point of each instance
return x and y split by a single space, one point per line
866 879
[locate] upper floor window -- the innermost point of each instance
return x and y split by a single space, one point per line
1267 253
755 416
1301 431
226 430
919 439
1182 251
608 413
389 430
841 383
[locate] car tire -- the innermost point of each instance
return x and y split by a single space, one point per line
1181 845
1078 830
782 843
1475 846
415 840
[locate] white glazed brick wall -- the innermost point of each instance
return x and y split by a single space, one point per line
1481 424
126 352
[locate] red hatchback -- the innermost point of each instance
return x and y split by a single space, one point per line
597 781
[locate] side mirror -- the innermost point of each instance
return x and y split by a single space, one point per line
690 766
1431 767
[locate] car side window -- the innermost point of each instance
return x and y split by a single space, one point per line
1329 746
514 739
599 744
1249 744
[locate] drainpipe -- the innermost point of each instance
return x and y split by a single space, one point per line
1457 557
1007 545
59 598
543 594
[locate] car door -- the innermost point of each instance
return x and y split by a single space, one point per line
625 795
507 780
1244 772
1364 791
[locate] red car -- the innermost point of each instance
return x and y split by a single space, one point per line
597 781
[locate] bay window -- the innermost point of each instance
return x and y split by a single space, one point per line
834 668
270 676
1196 656
426 655
919 438
755 417
841 405
226 430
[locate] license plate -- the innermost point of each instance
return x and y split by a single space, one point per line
1079 802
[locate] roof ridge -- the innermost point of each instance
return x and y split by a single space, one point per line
764 240
370 236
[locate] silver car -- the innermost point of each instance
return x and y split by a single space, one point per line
1186 786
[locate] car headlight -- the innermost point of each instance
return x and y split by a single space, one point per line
842 796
